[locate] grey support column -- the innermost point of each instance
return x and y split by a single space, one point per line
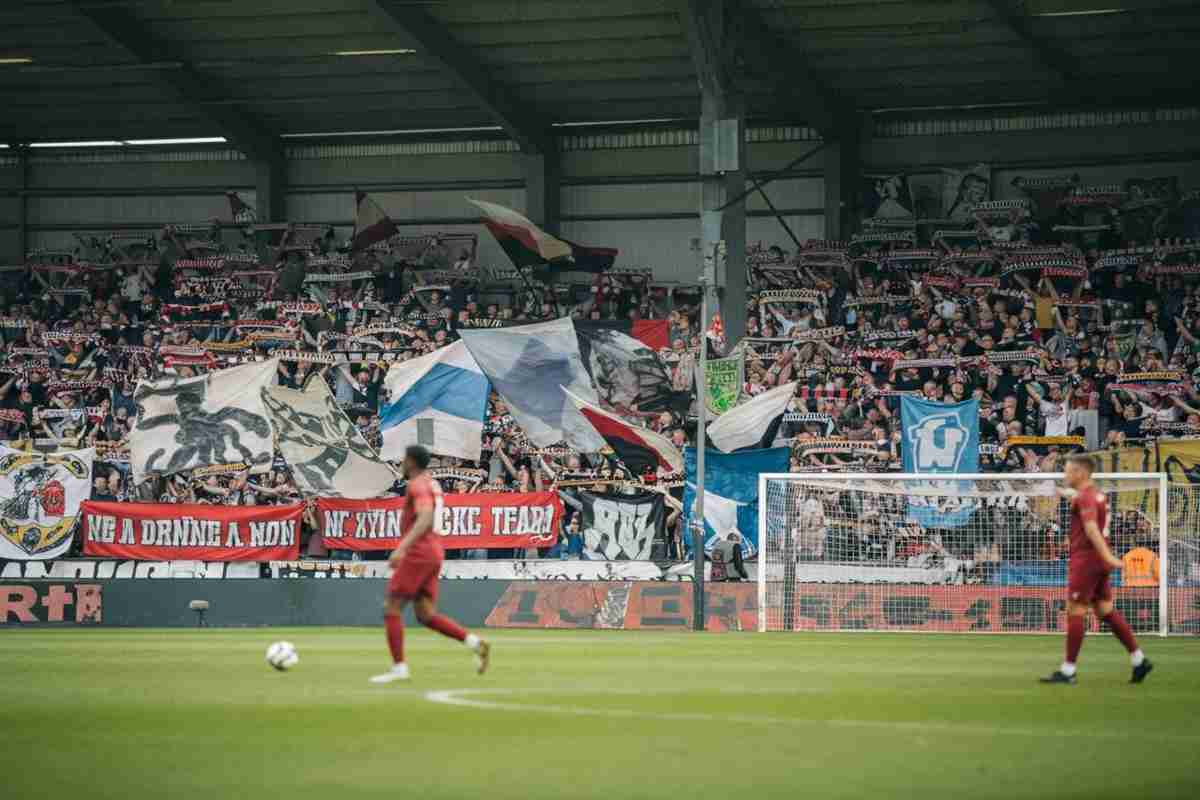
543 183
723 177
270 186
22 201
843 173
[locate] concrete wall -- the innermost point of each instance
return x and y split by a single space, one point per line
233 603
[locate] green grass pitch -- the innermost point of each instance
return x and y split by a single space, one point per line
198 714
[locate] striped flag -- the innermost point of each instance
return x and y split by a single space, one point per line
528 245
439 401
371 223
641 449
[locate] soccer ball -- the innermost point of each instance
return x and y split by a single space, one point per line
282 656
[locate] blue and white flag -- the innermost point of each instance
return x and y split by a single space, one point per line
529 366
438 401
940 438
731 492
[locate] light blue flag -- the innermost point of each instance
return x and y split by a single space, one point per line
529 366
940 438
731 492
438 401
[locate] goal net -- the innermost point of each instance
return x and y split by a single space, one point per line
971 553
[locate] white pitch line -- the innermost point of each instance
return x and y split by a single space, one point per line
468 698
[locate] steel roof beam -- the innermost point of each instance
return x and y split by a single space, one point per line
1058 62
192 88
435 43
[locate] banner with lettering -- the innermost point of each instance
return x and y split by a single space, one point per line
166 531
464 521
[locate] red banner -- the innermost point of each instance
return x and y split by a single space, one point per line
164 531
465 521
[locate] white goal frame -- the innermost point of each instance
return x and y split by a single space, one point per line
1163 515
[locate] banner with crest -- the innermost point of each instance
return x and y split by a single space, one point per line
40 495
723 378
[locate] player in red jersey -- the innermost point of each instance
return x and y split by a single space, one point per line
416 562
1091 562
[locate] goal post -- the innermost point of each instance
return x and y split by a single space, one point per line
963 553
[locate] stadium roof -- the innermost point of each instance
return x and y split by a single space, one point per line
251 71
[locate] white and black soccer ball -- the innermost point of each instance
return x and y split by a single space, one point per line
282 656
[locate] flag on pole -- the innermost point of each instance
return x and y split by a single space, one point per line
752 424
640 448
529 365
371 223
528 245
211 419
438 401
326 453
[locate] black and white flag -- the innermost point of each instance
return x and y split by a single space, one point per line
218 418
624 370
621 527
326 452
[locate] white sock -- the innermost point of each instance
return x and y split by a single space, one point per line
1067 669
472 642
1137 657
400 666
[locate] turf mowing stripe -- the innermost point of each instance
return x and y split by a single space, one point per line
465 698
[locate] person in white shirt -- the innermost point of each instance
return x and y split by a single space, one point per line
1054 411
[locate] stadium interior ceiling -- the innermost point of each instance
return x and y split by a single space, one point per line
251 71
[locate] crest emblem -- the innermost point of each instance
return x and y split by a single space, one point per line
39 500
723 378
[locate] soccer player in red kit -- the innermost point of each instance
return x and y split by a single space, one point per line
1088 584
416 562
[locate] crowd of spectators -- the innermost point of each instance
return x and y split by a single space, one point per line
1069 336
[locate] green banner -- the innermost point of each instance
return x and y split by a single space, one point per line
723 383
1125 343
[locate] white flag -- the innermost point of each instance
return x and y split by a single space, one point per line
325 451
218 418
745 425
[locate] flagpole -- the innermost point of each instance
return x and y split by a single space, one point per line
698 615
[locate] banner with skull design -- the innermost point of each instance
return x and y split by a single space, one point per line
327 454
39 501
218 418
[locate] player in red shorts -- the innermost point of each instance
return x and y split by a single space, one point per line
416 562
1091 562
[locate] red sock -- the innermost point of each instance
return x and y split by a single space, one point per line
447 627
394 624
1121 630
1075 627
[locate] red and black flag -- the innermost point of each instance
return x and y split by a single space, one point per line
642 450
528 245
371 223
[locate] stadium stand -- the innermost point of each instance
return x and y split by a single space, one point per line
1071 333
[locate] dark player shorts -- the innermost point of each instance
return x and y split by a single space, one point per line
1088 583
417 574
